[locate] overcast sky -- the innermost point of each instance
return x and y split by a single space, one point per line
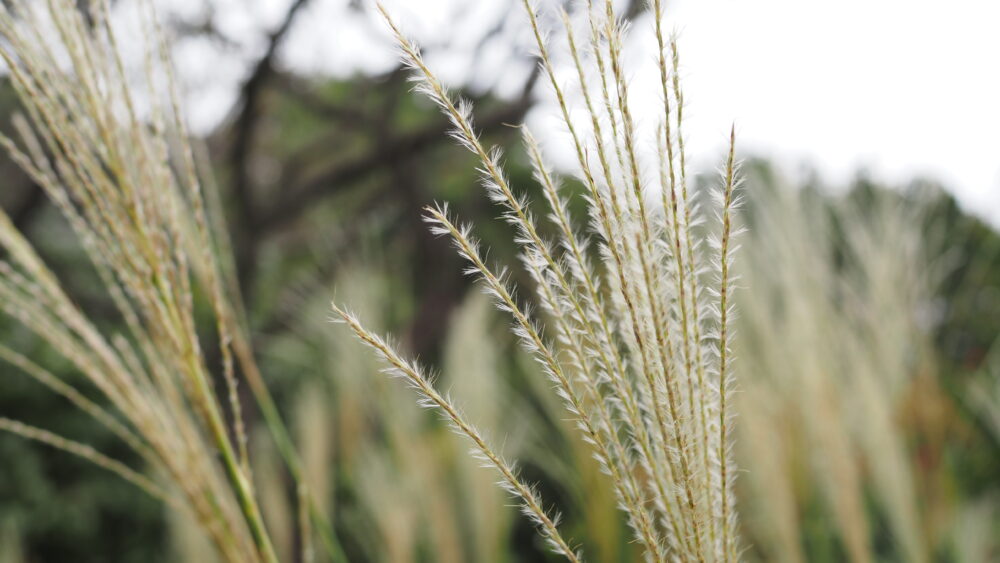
896 88
899 87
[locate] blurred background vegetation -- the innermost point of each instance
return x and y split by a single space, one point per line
870 411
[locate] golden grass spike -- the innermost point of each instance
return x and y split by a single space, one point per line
410 372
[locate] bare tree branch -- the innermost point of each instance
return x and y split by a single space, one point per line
343 175
244 133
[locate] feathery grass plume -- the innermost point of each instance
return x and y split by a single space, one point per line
984 392
276 505
775 521
400 461
630 346
431 398
724 311
187 541
975 537
11 550
414 492
835 338
113 156
471 354
315 449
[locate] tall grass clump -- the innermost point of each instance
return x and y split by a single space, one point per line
104 138
839 378
635 317
416 495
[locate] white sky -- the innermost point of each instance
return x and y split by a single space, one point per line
897 88
901 88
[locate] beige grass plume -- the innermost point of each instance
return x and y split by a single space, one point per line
636 344
112 154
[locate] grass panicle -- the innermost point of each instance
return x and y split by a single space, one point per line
637 344
631 329
107 144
